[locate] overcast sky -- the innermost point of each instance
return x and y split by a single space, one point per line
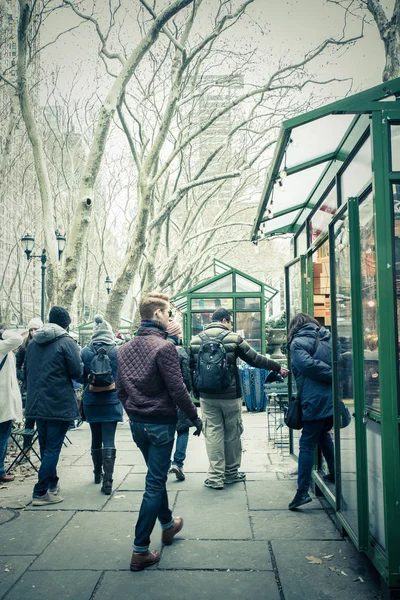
275 29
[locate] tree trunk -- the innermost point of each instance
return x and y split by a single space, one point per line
129 268
37 149
80 224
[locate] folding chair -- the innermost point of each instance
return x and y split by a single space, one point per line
16 436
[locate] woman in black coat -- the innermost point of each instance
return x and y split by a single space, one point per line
102 408
311 363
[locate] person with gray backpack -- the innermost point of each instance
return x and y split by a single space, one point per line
215 377
101 406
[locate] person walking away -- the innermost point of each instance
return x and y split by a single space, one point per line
174 331
10 405
52 362
311 361
101 405
151 387
33 325
213 356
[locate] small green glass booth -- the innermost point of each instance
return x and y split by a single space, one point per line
244 296
339 166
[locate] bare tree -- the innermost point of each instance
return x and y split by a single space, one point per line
388 27
167 118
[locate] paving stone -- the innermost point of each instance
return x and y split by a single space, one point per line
79 490
94 541
215 514
300 525
51 585
125 458
130 501
300 579
11 569
6 515
193 481
274 495
188 584
198 555
31 532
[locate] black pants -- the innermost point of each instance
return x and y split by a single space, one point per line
103 435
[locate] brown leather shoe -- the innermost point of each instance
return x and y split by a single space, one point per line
7 479
141 560
168 534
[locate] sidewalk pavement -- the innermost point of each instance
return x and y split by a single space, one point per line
240 542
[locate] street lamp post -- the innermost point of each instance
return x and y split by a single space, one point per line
28 242
108 282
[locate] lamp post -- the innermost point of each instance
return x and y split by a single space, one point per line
28 242
108 282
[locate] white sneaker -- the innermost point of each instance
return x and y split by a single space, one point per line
56 491
46 499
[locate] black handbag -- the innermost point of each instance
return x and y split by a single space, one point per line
344 415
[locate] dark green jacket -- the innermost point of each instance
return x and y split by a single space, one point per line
236 347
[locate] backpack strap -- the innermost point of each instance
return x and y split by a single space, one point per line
222 335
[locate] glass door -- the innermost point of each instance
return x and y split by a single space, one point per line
345 486
295 287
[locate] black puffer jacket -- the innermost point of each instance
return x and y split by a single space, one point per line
311 362
52 361
236 347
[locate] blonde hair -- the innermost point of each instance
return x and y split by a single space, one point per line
151 302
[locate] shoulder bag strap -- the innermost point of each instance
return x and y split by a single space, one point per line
3 361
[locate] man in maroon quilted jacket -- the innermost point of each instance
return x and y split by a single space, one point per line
151 387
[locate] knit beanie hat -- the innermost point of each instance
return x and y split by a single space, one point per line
102 331
174 329
59 316
35 323
100 324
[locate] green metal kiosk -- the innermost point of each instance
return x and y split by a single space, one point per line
339 166
241 294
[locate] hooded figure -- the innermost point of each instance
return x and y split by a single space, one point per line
52 362
101 405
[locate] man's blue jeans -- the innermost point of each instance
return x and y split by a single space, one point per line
182 439
5 432
155 442
314 433
51 437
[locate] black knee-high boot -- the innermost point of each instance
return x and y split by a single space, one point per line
108 469
97 458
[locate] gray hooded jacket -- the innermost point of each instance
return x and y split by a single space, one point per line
52 361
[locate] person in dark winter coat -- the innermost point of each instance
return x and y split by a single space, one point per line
151 387
101 407
52 362
311 362
33 325
174 331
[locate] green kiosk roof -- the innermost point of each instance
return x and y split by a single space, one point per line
309 152
226 281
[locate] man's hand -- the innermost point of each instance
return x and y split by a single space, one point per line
198 423
284 372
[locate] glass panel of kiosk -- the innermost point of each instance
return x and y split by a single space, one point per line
349 505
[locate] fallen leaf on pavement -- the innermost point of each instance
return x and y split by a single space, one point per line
359 579
314 561
328 556
6 570
338 571
118 497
